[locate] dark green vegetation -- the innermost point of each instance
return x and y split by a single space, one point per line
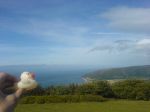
61 99
134 72
109 106
97 91
132 89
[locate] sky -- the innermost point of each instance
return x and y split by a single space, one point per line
75 32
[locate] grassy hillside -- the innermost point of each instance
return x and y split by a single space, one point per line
110 106
134 72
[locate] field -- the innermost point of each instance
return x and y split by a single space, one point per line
109 106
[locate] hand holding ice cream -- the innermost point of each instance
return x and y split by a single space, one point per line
27 81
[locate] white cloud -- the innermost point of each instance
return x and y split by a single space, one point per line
144 42
128 19
141 47
112 46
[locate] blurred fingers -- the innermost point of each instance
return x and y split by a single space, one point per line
7 81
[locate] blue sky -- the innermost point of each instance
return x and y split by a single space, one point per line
75 32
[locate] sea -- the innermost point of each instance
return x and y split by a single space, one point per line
47 75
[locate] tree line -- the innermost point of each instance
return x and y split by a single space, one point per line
127 89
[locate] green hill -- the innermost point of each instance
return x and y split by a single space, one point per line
133 72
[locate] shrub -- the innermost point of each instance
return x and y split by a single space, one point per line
40 100
132 89
28 100
61 99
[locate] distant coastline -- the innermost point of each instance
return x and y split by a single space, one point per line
113 75
110 81
88 79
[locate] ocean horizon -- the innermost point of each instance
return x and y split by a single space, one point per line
50 75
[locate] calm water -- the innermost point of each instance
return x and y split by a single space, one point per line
50 75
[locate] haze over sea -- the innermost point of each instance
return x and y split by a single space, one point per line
50 74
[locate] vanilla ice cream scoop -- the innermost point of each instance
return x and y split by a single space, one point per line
27 81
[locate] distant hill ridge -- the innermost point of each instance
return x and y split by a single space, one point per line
131 72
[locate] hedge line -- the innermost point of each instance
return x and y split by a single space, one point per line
127 89
61 99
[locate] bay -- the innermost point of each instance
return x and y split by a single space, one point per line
47 75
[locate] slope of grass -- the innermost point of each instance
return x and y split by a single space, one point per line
110 106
